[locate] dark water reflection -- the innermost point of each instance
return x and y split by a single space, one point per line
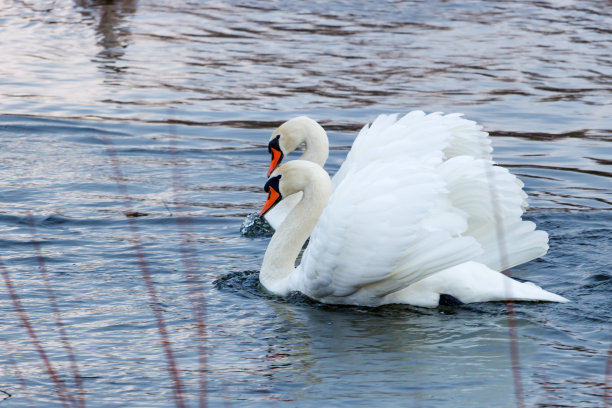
111 22
180 97
544 63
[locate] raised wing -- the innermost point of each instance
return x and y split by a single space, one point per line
439 136
493 202
386 226
415 196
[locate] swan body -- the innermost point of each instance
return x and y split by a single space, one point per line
389 233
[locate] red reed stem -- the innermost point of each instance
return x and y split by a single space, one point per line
56 314
65 397
194 286
146 275
17 371
512 330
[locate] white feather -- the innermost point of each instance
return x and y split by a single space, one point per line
419 209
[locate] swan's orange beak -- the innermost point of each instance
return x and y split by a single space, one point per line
272 187
273 198
277 156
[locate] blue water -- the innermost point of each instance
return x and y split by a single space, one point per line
133 144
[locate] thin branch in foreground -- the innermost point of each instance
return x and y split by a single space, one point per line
56 314
150 286
65 397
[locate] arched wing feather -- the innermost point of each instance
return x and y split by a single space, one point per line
439 136
377 234
416 195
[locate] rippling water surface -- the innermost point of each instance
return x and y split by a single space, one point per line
132 146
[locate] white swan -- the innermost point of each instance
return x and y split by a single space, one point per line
412 216
378 240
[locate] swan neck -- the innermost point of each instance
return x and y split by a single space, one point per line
288 240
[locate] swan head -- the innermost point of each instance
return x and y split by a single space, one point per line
291 134
292 177
272 187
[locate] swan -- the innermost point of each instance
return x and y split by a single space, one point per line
449 135
436 171
378 240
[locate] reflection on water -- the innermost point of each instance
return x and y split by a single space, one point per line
111 25
190 91
537 67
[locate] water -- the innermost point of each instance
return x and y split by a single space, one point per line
119 119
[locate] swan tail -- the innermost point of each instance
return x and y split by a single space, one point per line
470 282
